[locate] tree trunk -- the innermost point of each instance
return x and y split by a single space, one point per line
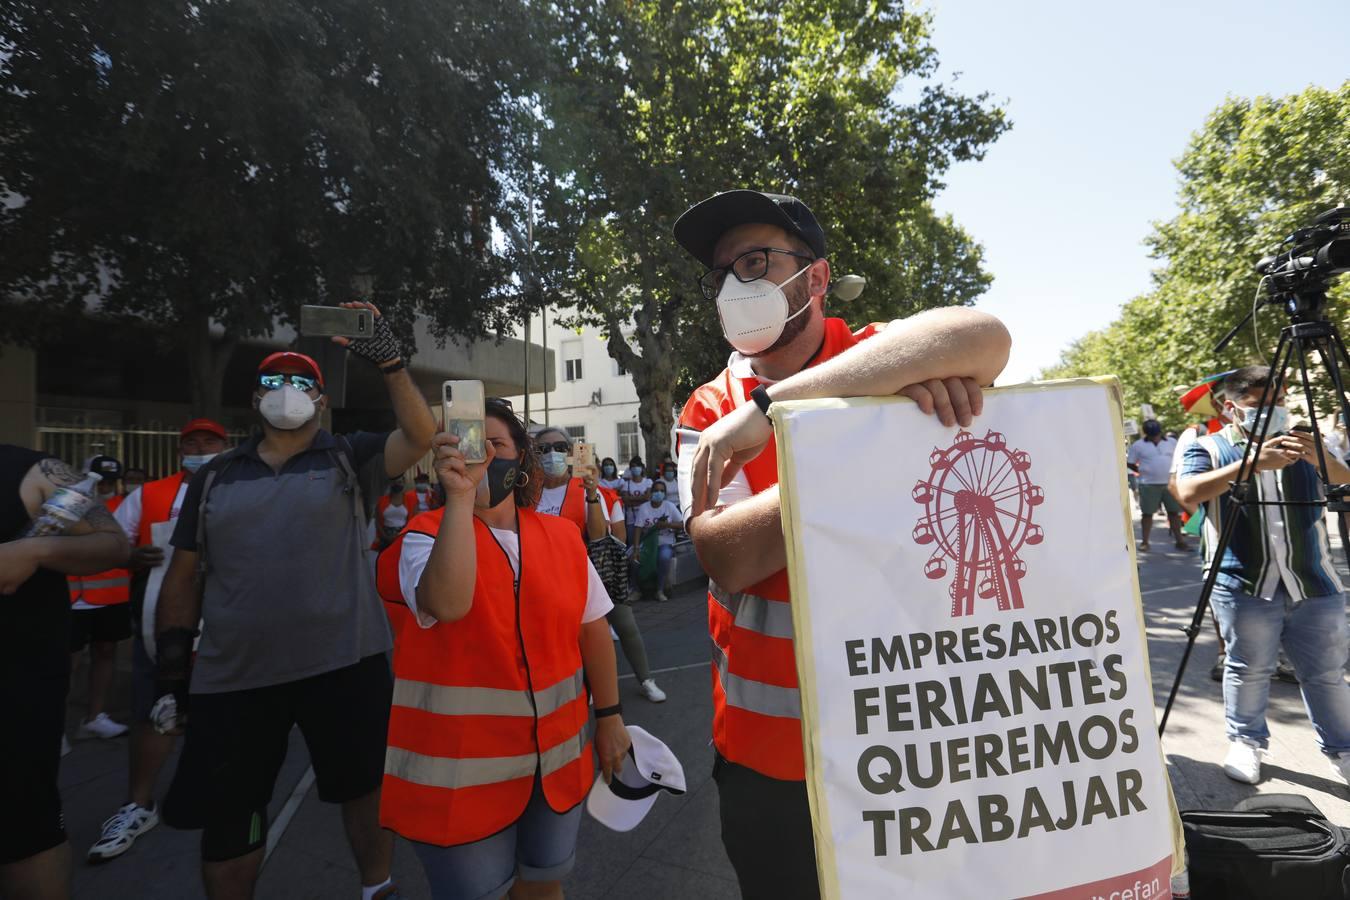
207 361
655 387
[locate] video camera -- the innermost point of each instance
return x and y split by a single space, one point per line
1298 276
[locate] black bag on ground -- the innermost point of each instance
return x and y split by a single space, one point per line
1269 846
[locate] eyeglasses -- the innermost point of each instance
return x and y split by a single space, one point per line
749 266
275 381
559 446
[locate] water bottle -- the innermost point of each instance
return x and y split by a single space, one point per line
68 505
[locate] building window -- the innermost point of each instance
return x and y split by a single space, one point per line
575 433
628 441
571 351
619 369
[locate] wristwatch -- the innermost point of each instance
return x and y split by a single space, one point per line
762 399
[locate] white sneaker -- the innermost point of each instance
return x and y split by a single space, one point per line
101 727
65 745
656 695
1341 766
121 831
661 597
1243 762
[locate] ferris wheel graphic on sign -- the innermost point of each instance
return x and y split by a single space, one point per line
978 503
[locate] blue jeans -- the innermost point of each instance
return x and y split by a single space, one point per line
1314 636
540 846
665 553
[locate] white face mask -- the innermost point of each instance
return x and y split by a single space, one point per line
1252 416
754 313
554 463
194 461
287 408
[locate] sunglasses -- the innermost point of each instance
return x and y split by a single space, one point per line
560 446
275 382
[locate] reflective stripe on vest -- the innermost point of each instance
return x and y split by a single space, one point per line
753 612
107 588
481 701
484 702
444 772
756 696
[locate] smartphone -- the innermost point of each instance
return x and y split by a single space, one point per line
582 459
462 413
326 321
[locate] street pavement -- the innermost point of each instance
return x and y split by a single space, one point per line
676 853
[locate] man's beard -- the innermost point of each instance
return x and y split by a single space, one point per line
798 295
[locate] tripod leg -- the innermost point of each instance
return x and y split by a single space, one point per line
1284 352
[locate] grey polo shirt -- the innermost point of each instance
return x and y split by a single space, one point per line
288 592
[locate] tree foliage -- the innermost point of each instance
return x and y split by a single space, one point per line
1258 170
227 162
657 104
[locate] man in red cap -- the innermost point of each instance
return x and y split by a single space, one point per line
269 555
154 502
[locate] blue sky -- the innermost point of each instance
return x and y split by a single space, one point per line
1103 97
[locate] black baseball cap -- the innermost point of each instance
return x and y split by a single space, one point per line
703 223
106 467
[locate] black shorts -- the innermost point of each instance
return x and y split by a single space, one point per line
236 742
101 625
766 829
33 710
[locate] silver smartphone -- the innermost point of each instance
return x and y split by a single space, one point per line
463 415
326 321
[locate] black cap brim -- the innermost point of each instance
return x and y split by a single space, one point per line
702 224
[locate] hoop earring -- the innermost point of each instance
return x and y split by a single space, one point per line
524 479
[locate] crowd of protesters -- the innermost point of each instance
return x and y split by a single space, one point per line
463 690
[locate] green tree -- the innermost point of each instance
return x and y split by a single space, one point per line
191 164
1258 170
660 103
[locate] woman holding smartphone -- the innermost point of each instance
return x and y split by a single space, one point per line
490 749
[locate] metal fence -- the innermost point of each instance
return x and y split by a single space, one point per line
155 451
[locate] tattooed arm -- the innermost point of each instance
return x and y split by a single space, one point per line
92 545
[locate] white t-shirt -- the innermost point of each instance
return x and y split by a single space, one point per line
423 500
395 517
551 500
648 515
629 487
612 483
417 550
1154 460
734 491
128 513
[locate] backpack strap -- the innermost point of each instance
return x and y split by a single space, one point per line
345 456
212 472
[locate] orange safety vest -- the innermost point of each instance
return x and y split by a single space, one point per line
156 503
757 707
574 504
483 705
106 588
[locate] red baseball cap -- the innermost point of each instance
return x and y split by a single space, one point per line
288 361
210 426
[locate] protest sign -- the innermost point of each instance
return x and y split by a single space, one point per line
978 711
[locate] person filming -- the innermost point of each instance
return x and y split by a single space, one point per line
490 752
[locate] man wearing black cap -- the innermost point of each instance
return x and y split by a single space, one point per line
767 273
100 615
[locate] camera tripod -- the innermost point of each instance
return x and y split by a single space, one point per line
1308 333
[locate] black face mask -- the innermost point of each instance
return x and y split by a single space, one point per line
501 477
